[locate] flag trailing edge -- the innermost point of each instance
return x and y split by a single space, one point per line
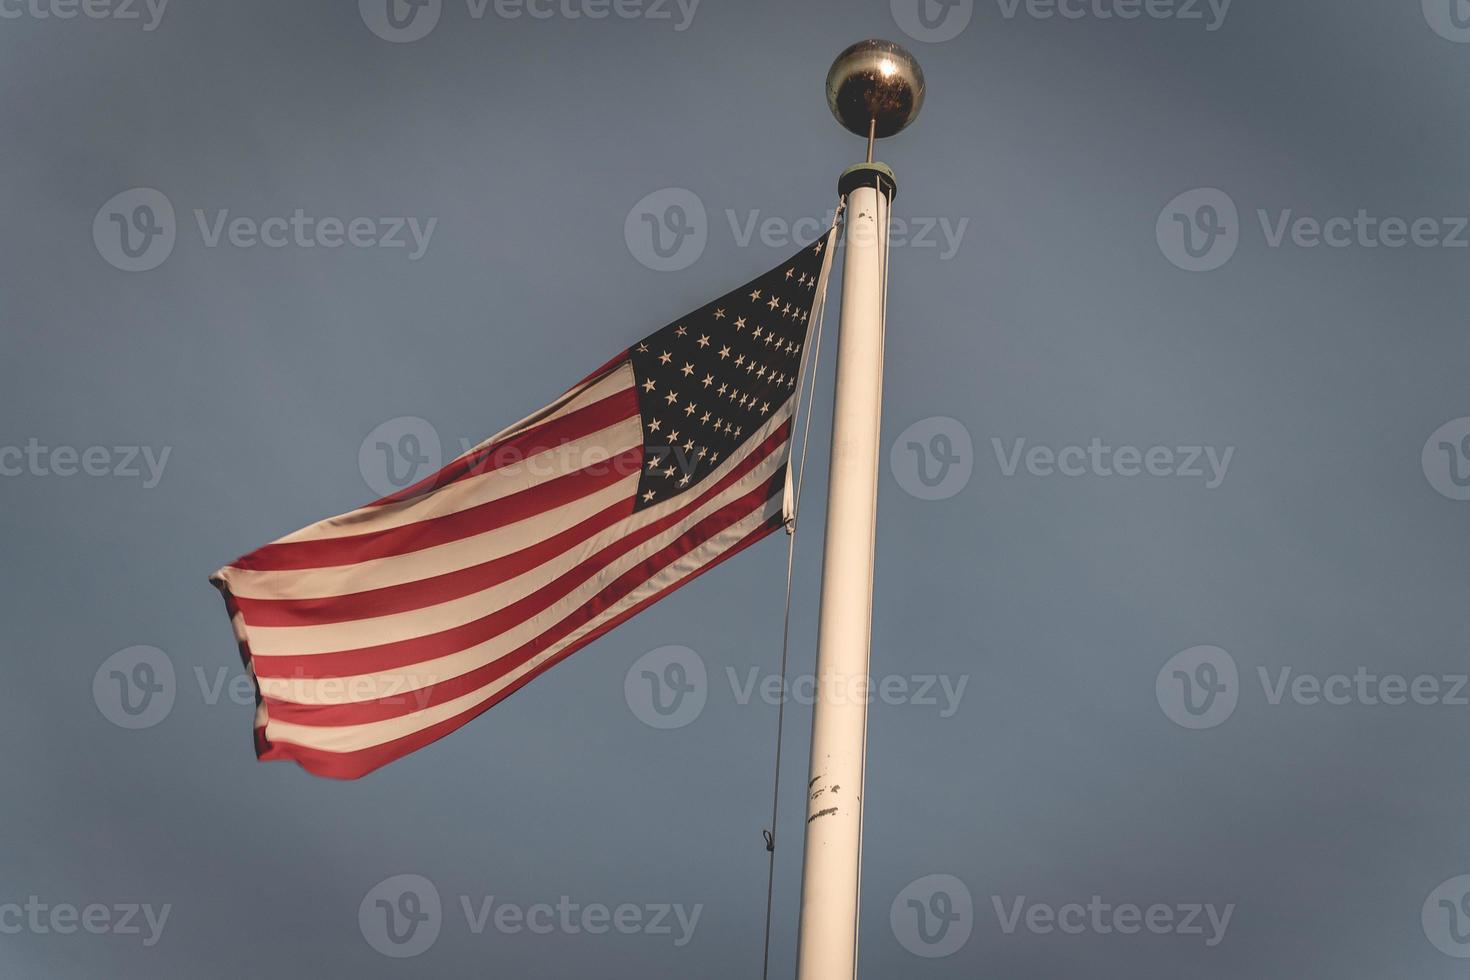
371 634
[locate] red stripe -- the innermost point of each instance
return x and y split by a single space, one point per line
393 542
398 705
353 765
401 653
353 548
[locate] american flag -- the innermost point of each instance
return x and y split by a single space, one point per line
374 633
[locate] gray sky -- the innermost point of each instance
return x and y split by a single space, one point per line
1064 173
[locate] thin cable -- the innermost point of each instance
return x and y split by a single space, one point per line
814 348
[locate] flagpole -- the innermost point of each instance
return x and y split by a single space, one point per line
875 89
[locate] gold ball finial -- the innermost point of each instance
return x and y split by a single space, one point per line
875 83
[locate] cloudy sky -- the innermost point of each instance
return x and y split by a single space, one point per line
1171 574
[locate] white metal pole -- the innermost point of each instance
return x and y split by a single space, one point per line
827 944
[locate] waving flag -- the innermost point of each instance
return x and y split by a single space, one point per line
374 633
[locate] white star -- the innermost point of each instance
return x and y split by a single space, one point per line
714 458
647 496
709 379
674 436
757 334
653 462
818 249
649 385
755 295
703 340
643 348
765 408
724 352
689 446
687 369
653 426
671 397
689 409
740 359
684 482
669 471
789 273
740 323
721 389
665 357
704 418
720 314
775 302
680 331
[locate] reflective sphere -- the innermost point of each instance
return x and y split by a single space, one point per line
875 80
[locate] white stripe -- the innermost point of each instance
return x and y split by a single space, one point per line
349 738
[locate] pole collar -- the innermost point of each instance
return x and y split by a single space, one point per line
868 175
